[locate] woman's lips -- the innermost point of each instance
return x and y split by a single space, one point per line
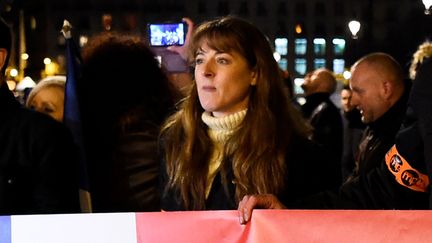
208 88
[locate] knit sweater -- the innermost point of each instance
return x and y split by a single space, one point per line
219 130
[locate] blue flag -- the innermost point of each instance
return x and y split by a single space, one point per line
72 114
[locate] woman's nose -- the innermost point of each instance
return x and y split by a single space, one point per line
208 69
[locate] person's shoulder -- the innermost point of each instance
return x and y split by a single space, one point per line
39 124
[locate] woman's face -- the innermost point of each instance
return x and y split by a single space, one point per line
223 80
50 101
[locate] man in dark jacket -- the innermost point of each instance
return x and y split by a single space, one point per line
38 171
326 120
379 92
402 179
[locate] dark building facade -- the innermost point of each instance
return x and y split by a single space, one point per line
306 34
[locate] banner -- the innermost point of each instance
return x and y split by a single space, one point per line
221 226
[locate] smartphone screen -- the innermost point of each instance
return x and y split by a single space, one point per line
166 34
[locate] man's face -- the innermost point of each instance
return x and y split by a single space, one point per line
311 81
346 95
368 92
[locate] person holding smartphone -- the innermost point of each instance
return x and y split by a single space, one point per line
237 132
173 55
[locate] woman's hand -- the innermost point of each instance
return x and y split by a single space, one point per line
263 201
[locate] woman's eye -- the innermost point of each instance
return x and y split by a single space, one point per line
222 61
198 60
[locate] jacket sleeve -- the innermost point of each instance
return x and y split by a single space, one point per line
376 190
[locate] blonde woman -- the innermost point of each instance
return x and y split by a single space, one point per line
48 97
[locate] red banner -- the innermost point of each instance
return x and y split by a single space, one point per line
286 226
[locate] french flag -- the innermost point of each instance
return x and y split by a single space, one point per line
275 226
72 113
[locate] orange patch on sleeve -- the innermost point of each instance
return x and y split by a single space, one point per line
404 173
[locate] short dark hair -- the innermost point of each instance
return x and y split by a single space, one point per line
5 41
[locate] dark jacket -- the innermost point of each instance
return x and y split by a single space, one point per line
326 120
379 136
381 187
304 177
352 134
38 167
398 180
136 170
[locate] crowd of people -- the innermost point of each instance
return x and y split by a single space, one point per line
229 137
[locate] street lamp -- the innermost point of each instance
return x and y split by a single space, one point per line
354 27
427 4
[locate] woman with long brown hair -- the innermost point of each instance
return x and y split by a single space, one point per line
236 133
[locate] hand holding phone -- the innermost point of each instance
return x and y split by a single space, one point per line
167 34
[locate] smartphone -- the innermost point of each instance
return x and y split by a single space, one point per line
167 34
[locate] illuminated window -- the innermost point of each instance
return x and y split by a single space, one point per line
297 85
338 65
283 63
300 66
281 46
319 63
319 46
300 46
339 46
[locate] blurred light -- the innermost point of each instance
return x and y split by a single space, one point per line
83 40
276 56
52 69
427 4
346 74
298 29
11 85
27 82
24 56
47 60
8 8
354 27
33 23
301 100
13 72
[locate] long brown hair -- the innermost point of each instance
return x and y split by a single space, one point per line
255 153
